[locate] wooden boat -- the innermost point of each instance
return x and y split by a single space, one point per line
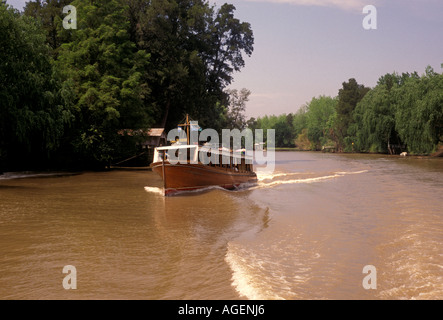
191 174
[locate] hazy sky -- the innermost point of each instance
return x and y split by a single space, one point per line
307 48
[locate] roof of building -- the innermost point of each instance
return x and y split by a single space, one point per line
154 132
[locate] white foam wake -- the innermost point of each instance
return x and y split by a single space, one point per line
270 175
302 180
154 190
184 192
247 277
261 177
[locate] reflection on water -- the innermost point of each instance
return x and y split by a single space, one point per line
305 231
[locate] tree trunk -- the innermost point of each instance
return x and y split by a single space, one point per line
165 116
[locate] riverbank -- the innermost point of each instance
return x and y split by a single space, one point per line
60 173
438 153
35 174
54 174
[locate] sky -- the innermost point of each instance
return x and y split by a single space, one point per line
307 48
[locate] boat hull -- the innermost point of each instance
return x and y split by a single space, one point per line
186 177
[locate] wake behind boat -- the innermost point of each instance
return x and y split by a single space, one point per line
229 171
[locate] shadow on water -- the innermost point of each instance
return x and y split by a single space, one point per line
32 175
199 192
293 161
13 187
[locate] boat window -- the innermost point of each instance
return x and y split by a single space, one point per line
185 155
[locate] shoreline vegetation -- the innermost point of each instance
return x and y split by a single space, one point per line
129 65
65 173
436 154
134 65
401 114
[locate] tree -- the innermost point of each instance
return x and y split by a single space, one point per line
299 120
109 74
318 113
252 123
348 96
194 51
282 124
419 112
374 120
34 105
284 132
401 110
225 41
50 13
228 39
237 107
162 29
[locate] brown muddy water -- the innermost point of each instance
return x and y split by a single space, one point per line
305 231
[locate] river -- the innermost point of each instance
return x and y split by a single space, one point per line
307 230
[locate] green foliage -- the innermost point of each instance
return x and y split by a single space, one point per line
419 112
302 142
228 38
318 113
374 120
135 64
401 110
49 13
348 96
107 70
283 126
401 113
33 111
237 107
299 121
306 129
130 64
195 48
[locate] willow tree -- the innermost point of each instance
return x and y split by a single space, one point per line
401 110
374 116
419 112
33 109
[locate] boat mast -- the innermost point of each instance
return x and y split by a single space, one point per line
187 127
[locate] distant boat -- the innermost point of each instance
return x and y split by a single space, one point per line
190 174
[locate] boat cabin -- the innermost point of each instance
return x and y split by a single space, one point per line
224 158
